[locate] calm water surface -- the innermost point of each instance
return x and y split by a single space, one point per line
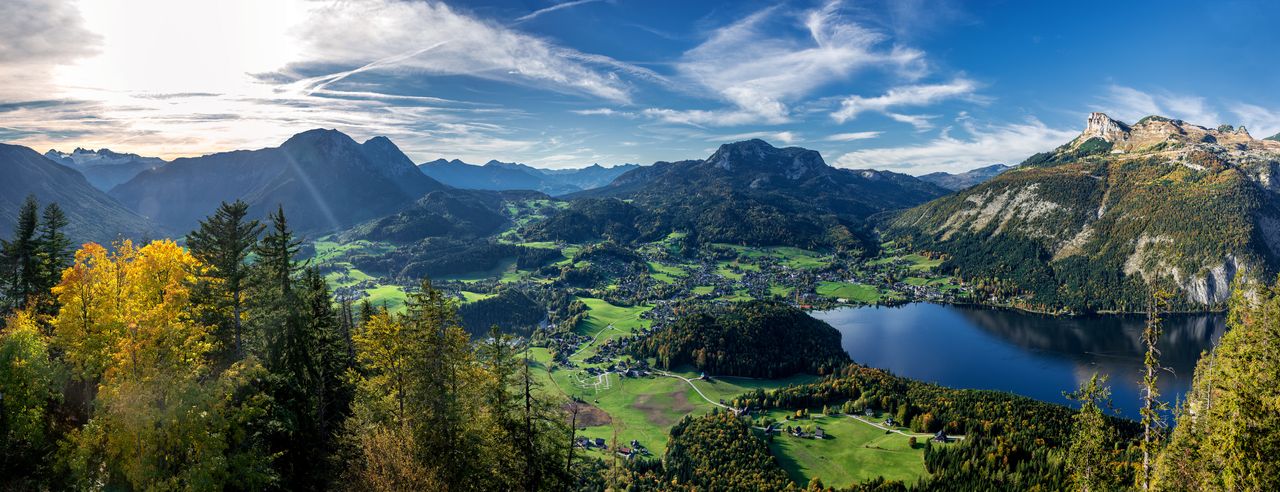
1032 355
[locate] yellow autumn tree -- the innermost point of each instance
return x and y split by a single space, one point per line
125 329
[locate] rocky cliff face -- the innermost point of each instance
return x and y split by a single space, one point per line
1121 206
1157 133
1099 125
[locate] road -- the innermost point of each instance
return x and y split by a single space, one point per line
878 426
592 342
694 386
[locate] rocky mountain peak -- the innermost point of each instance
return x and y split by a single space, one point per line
1100 125
758 155
319 138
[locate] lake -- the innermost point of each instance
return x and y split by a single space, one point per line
1028 354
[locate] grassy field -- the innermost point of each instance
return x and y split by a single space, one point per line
666 273
601 314
852 292
852 452
737 296
723 270
468 296
781 290
391 296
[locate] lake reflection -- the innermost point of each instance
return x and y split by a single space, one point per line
1028 354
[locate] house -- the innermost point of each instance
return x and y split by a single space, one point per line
941 436
819 433
599 442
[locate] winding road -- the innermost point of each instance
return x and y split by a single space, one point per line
695 388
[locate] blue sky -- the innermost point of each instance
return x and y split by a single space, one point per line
912 86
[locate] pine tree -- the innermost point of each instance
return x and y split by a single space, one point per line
281 319
440 360
1089 458
223 242
332 392
1152 424
1227 435
21 256
54 252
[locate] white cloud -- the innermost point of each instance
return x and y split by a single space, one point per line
1260 121
911 95
538 13
39 35
984 145
432 38
604 112
849 137
758 72
922 122
1129 105
785 137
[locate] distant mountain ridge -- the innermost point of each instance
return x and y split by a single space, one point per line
92 215
1088 225
753 193
967 179
104 168
500 176
325 181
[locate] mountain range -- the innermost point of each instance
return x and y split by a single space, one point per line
747 192
967 179
324 180
103 168
495 175
1092 224
91 214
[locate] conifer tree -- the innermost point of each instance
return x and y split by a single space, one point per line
54 252
21 256
1152 424
1089 458
223 241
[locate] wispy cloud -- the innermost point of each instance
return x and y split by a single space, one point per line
849 137
922 122
361 32
1129 105
758 72
559 6
983 145
1262 122
910 96
786 137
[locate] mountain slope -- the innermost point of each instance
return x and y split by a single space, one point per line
452 213
751 192
496 175
323 178
103 168
967 179
1088 225
92 215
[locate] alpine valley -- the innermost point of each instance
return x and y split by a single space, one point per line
329 315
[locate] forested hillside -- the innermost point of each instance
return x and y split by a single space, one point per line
753 193
1089 225
756 339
